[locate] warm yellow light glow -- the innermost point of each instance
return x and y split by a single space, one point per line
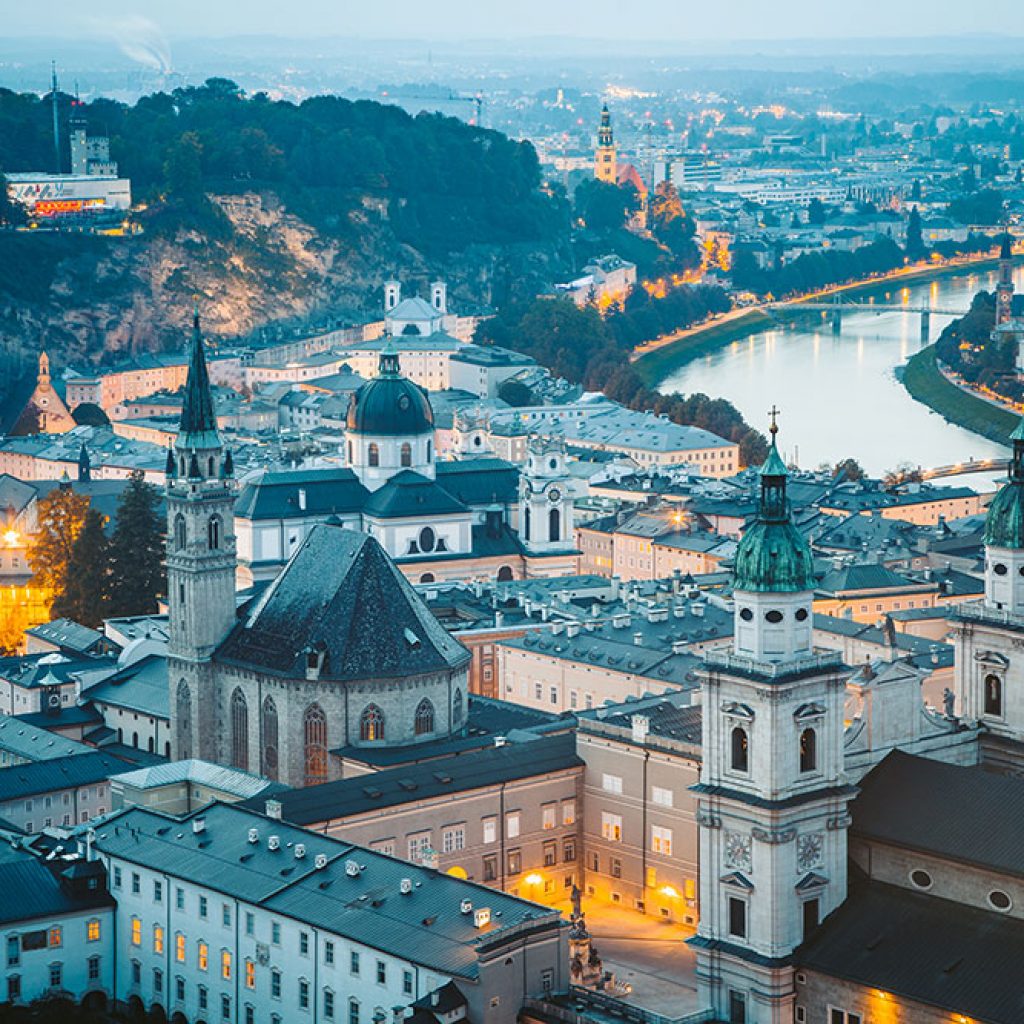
11 538
668 890
533 879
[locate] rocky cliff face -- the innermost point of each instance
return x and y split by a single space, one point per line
92 301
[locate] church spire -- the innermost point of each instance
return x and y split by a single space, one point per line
389 365
1006 249
198 427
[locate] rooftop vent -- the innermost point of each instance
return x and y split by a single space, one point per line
300 851
273 809
320 861
411 638
352 869
274 843
466 907
405 886
198 825
254 835
481 917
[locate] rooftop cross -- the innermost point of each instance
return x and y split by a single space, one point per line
774 428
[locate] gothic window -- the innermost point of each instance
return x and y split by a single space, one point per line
457 707
808 750
270 758
179 532
183 712
213 532
739 759
504 574
182 462
371 723
239 730
315 746
373 455
993 696
406 456
554 525
424 718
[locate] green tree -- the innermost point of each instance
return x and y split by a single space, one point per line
11 213
183 172
849 469
816 212
85 592
915 239
59 518
138 577
604 207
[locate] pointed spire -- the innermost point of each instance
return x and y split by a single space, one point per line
390 365
1017 461
773 474
198 427
84 465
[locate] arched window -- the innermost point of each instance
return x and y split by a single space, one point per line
427 539
457 707
182 462
183 713
808 750
993 695
213 532
526 523
740 752
315 745
373 455
427 577
406 455
270 758
371 723
505 574
239 730
179 532
350 453
209 466
554 525
424 718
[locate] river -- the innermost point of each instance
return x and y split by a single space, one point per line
838 395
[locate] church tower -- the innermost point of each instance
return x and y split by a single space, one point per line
989 634
605 163
1004 285
200 561
772 797
545 506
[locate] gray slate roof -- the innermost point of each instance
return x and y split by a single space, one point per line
410 494
142 686
33 892
329 597
35 744
25 780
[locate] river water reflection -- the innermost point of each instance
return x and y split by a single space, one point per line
839 395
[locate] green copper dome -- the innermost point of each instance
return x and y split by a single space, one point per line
773 556
1004 524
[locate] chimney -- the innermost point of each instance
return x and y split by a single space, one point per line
572 629
499 619
273 809
641 726
638 639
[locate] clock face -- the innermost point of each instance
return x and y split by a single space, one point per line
554 495
737 850
808 850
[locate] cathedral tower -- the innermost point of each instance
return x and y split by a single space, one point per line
1004 285
200 560
545 506
772 795
605 163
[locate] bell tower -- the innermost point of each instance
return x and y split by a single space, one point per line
1004 285
545 506
772 797
200 560
605 163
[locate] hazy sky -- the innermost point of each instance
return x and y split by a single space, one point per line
662 20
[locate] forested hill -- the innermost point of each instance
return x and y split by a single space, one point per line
271 210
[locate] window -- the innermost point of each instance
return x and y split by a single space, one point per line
304 943
303 994
183 702
275 933
999 900
158 892
353 962
117 878
136 884
407 983
239 730
611 783
203 995
554 694
490 826
406 454
250 923
811 910
13 951
739 759
921 879
328 952
569 850
512 825
213 532
179 989
179 898
250 973
328 1004
373 455
158 939
225 1007
136 931
550 854
315 735
993 696
661 840
515 862
250 1014
424 722
837 1016
568 812
808 750
737 1007
158 980
453 838
275 984
611 827
457 708
418 846
13 988
371 724
93 968
490 868
179 532
270 740
204 956
427 539
92 930
179 948
353 1011
615 867
737 917
661 797
136 972
382 973
547 816
56 974
202 906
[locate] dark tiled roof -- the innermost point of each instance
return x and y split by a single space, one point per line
141 686
438 778
484 481
965 814
329 598
870 576
668 718
914 946
409 494
276 495
32 892
25 780
69 635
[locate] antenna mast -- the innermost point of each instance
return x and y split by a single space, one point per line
56 121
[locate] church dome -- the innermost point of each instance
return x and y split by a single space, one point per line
773 556
390 405
1004 523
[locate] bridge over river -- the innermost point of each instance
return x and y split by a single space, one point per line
838 306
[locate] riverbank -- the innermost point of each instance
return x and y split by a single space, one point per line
653 360
927 384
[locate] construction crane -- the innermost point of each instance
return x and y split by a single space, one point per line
440 98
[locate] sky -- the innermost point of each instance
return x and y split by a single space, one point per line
667 21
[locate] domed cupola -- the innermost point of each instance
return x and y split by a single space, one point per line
773 574
390 425
1004 536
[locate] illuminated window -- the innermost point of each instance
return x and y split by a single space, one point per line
92 930
371 723
250 974
54 937
315 735
204 956
158 939
225 965
136 932
611 826
661 840
179 948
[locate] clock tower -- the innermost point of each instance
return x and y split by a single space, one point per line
545 507
772 796
1004 285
